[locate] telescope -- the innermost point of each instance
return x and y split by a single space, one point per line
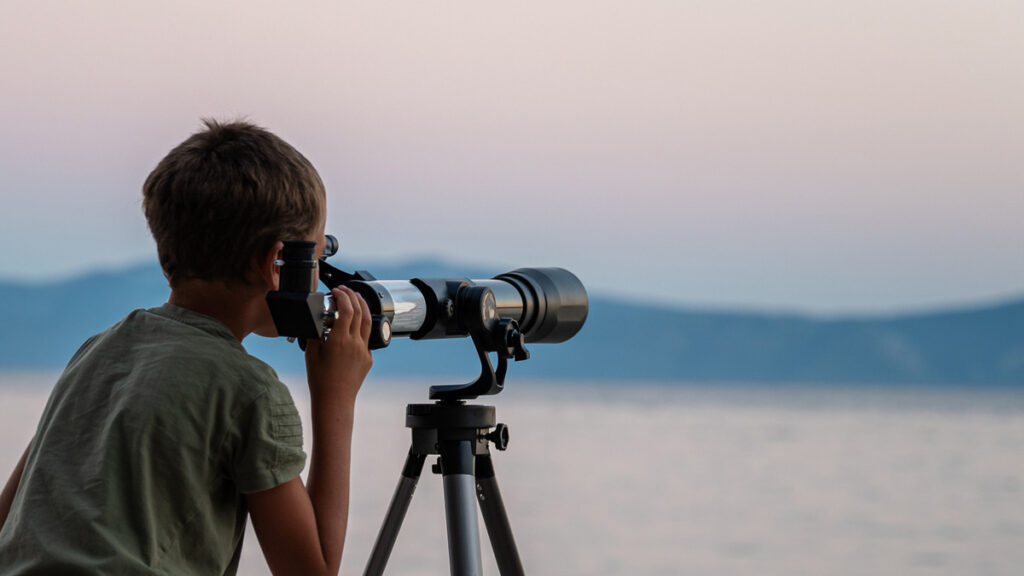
501 314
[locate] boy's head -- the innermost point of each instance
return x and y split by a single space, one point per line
221 200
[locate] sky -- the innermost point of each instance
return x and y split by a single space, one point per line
828 158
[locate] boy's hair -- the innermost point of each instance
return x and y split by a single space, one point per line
224 197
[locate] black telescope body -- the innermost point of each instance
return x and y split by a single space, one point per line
547 305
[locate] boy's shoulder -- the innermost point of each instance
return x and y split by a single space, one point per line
198 343
192 352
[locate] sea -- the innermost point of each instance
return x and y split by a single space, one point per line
629 478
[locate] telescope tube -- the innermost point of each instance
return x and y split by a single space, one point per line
549 304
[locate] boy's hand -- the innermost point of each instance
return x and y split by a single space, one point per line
336 366
302 528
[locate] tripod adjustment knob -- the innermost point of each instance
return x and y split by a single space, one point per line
499 436
517 343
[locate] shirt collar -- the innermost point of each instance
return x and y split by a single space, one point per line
195 319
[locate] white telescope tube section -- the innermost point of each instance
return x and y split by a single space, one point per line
409 306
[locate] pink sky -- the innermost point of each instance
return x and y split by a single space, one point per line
788 155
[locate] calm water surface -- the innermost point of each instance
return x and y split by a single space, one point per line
644 479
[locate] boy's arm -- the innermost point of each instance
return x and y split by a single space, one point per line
302 528
7 496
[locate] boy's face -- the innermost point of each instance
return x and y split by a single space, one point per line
267 328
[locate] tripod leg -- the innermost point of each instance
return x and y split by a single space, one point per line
460 508
396 514
495 519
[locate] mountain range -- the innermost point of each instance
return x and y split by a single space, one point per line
622 341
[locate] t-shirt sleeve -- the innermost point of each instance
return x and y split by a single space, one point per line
269 442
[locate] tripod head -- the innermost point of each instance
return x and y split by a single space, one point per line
501 314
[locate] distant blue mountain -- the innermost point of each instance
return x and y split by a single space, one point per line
44 323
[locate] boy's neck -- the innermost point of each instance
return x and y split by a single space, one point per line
239 307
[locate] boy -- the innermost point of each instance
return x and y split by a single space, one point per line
162 433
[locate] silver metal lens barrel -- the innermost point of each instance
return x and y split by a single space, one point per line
402 302
410 308
406 306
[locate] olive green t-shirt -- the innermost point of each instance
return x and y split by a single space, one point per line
151 437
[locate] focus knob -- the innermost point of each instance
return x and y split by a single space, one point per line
380 332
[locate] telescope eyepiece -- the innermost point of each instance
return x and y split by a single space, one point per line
298 267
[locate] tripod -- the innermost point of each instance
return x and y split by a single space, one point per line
460 434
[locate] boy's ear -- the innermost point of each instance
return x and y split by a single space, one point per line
269 272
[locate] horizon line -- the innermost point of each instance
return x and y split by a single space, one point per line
626 297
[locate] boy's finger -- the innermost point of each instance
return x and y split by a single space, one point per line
350 311
357 313
344 308
367 321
